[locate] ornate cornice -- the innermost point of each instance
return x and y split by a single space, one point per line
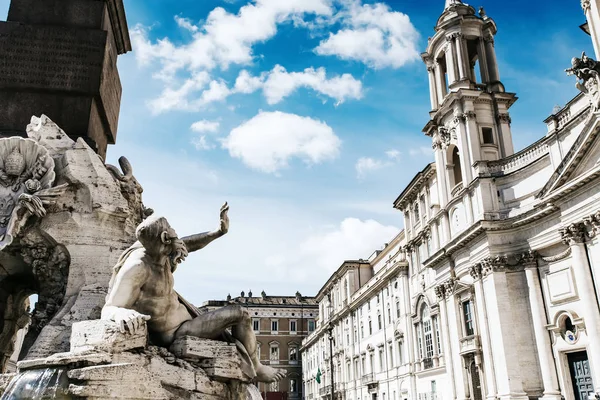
501 263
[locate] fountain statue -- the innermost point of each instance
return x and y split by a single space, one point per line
108 323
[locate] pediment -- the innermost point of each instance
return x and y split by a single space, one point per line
582 158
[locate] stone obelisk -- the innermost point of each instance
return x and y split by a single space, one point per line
59 58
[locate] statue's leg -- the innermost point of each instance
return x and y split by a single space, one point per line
211 324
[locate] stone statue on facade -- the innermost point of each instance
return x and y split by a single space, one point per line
142 289
587 72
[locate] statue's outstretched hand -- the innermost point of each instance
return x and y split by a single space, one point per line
224 226
131 319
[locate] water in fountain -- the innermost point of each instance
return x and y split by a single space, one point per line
38 384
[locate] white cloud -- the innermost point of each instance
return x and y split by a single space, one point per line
270 139
185 23
225 38
202 143
393 154
204 126
364 165
421 151
374 35
278 84
327 250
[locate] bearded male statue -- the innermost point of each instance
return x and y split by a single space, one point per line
142 289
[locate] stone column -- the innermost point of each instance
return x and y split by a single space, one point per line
489 375
485 76
462 58
440 291
410 342
574 236
592 14
465 146
440 170
432 87
472 131
492 64
441 82
542 336
435 236
451 61
469 207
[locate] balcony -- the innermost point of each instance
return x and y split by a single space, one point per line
367 378
427 363
340 386
428 396
325 390
469 344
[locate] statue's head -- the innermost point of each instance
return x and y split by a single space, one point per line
159 238
575 61
14 165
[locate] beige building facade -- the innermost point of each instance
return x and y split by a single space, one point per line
491 290
280 324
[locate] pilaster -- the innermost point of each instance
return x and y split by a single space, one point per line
502 329
542 336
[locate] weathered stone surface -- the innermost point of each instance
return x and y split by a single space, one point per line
194 348
224 369
4 381
106 336
206 385
83 358
51 136
172 375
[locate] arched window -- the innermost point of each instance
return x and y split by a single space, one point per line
457 169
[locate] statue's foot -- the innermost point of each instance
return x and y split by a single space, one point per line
267 374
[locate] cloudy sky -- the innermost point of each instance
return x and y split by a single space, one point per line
306 116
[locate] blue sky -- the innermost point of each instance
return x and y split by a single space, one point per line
293 113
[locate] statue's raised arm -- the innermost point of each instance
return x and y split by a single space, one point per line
198 241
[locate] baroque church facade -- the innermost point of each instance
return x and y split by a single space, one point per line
492 289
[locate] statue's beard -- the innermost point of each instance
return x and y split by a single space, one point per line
178 253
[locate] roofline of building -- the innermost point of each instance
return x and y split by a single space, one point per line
413 183
337 274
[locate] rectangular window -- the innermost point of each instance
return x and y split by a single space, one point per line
293 354
356 368
438 334
379 321
397 309
370 328
256 325
293 386
428 338
292 326
274 325
311 325
468 316
390 356
380 360
400 353
488 135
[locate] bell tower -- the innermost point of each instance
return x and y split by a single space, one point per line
469 105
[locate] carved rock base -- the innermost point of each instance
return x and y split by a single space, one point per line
107 364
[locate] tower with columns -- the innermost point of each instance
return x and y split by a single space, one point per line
469 118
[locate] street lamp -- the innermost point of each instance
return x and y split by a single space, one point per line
330 337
